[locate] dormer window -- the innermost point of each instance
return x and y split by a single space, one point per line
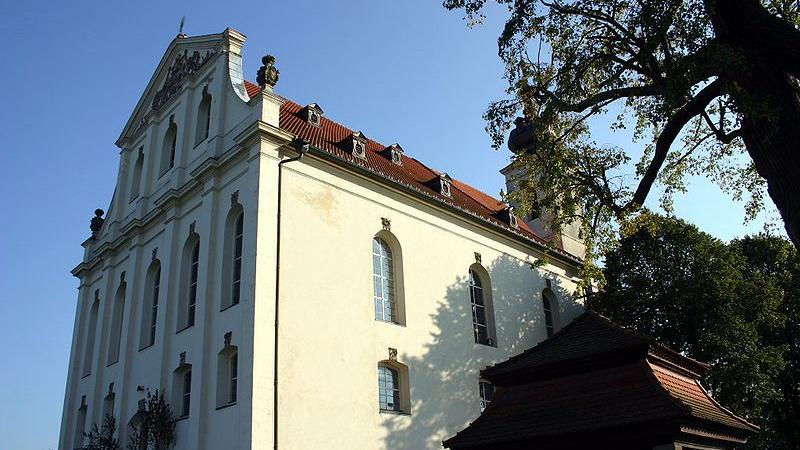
358 145
395 153
312 113
444 184
507 215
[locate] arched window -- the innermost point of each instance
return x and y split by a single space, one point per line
393 389
480 294
233 257
136 177
150 305
182 387
91 333
80 424
486 393
227 375
187 302
550 309
203 118
116 324
108 402
168 147
387 279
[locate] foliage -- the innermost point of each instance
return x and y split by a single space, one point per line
155 424
103 438
662 68
735 306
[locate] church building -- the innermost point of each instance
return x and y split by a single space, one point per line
287 281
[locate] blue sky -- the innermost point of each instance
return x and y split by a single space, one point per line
400 71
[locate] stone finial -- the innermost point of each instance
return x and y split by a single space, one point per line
227 339
268 74
392 354
386 224
97 222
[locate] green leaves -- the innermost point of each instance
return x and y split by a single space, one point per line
568 61
733 305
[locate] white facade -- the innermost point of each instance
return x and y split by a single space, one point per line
330 344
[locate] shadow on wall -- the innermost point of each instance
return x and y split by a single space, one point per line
444 381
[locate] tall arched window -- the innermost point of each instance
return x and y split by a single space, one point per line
116 324
182 387
150 305
393 388
136 176
227 375
80 424
233 257
168 147
91 333
481 304
383 281
550 309
203 118
190 270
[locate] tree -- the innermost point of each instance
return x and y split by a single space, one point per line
735 306
704 82
103 438
155 424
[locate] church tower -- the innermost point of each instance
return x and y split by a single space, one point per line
570 238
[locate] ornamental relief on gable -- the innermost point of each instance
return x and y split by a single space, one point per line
183 67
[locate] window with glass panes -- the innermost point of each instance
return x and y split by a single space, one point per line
388 389
548 313
234 378
187 393
154 305
193 271
238 237
383 281
486 392
479 324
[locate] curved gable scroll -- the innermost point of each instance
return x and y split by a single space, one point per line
186 57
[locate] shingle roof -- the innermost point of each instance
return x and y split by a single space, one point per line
412 173
587 340
594 375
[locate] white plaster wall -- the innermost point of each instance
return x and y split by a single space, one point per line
331 344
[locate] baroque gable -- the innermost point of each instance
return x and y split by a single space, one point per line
185 58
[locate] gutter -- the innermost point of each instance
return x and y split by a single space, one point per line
302 148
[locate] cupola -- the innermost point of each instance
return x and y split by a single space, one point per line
312 114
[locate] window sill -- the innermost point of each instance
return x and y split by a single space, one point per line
181 418
112 363
199 143
184 328
397 324
486 344
393 412
86 375
226 406
145 347
228 307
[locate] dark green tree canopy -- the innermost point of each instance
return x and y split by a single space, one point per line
736 306
708 85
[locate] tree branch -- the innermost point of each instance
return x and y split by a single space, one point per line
694 107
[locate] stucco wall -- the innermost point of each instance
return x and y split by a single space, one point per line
331 343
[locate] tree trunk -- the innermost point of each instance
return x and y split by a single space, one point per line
770 50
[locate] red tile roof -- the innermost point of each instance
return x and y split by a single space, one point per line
593 376
330 136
